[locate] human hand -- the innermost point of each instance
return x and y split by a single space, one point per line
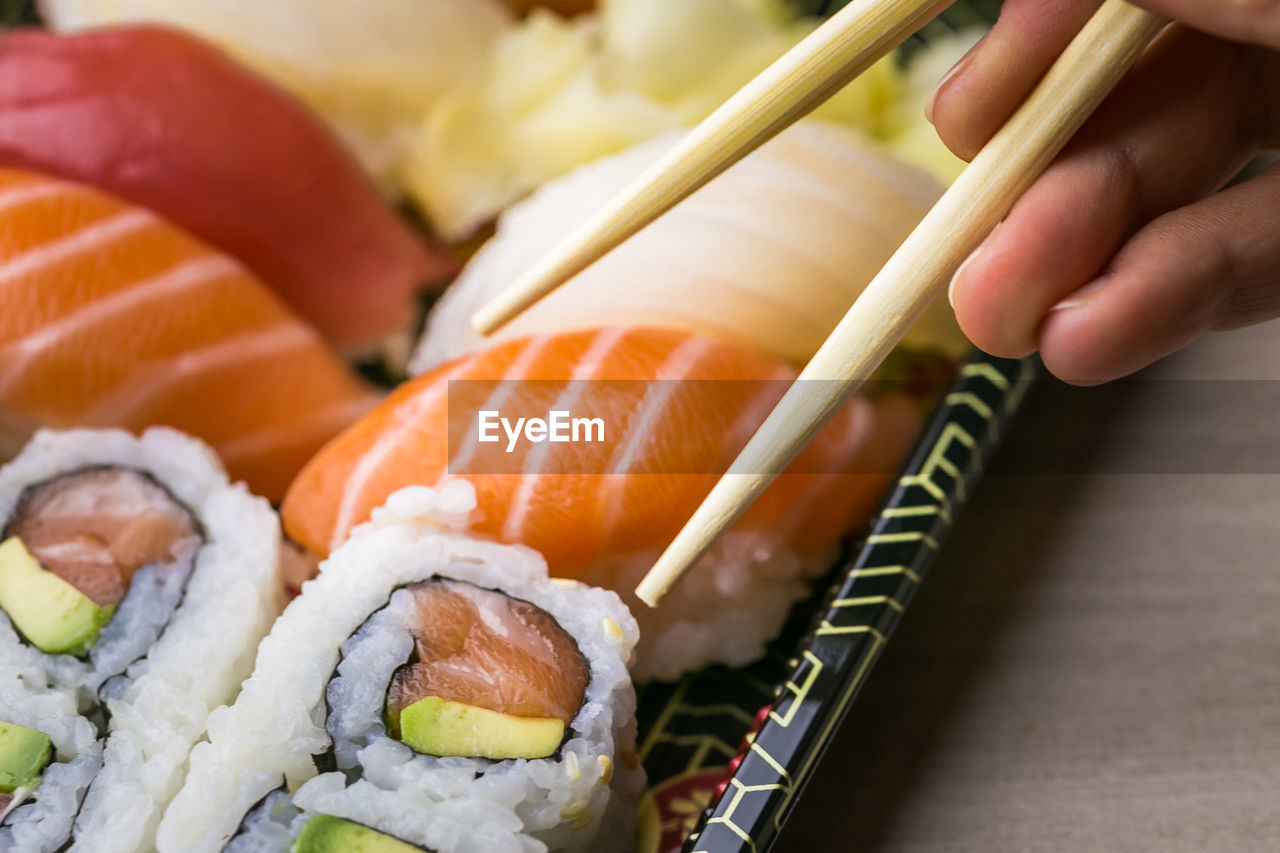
1127 248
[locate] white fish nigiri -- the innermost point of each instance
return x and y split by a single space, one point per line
769 255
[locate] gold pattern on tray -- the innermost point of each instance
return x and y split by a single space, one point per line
799 692
717 710
973 401
670 812
704 743
876 571
904 536
687 810
738 790
826 628
913 511
938 461
987 372
868 599
841 706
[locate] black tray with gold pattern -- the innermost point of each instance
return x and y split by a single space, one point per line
729 751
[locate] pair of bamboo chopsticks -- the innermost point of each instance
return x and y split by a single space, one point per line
815 69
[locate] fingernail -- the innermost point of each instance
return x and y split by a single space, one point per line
933 96
955 69
1080 298
951 288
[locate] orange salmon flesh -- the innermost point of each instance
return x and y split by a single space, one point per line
114 317
489 650
576 520
95 528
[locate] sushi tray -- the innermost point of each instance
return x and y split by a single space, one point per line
295 561
728 751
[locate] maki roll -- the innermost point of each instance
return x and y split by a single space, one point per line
428 690
135 584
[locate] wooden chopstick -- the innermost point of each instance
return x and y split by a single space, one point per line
1078 81
844 46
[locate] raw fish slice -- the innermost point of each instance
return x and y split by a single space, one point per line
486 649
168 122
114 317
96 527
769 255
668 441
371 70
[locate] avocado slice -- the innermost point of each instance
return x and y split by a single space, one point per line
325 834
24 753
55 616
438 726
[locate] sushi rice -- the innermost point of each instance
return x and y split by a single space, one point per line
315 701
123 720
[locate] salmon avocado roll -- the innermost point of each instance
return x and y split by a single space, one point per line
429 690
123 560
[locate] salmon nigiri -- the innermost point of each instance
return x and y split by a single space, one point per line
114 317
600 511
167 121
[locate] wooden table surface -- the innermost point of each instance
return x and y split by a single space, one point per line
1094 663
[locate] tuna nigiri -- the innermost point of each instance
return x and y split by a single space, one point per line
115 317
164 120
599 512
372 70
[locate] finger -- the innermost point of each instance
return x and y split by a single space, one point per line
1171 134
1251 21
1213 265
987 85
